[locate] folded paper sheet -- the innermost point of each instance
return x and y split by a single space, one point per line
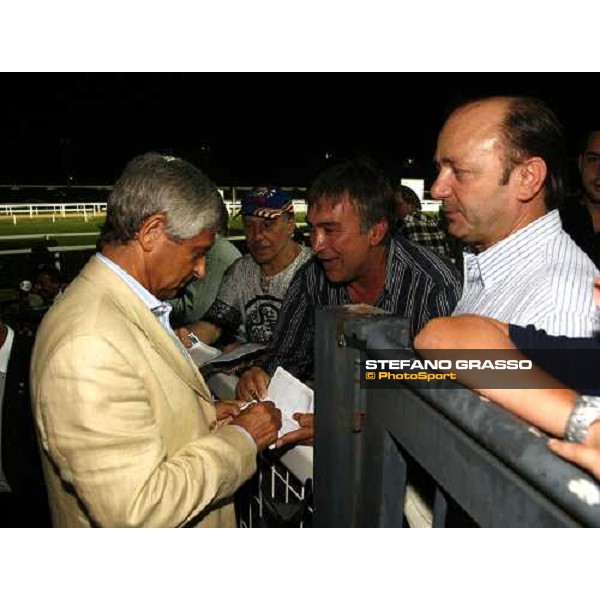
290 396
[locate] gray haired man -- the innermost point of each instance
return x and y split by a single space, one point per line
129 432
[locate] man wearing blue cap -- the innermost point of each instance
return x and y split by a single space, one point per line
249 298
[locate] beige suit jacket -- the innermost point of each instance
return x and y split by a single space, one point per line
125 422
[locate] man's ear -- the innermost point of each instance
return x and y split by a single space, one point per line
597 292
377 232
530 178
152 231
291 225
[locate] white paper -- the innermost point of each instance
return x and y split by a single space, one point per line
290 396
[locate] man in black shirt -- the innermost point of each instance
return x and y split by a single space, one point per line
357 260
581 215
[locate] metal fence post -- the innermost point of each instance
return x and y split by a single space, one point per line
337 443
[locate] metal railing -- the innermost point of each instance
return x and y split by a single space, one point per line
280 493
389 457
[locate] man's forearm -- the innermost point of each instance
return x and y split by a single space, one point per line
206 332
546 406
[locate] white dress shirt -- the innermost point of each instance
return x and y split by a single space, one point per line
536 276
158 308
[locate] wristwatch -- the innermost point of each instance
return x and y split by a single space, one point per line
585 412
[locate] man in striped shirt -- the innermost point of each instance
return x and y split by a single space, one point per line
500 164
350 210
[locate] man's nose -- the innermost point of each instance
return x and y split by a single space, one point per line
317 240
441 187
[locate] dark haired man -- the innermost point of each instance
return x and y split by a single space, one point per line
48 283
23 498
581 214
417 226
350 211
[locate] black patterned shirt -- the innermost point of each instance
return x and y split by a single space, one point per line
418 285
427 231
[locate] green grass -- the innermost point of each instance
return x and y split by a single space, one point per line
42 225
45 226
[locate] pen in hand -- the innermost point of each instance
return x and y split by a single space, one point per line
254 400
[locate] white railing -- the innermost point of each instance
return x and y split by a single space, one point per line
57 209
89 209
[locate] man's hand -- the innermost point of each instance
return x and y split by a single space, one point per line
231 347
227 410
262 421
587 457
305 435
252 385
182 333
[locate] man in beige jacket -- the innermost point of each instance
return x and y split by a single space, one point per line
128 431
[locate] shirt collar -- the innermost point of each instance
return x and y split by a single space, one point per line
150 300
6 348
495 263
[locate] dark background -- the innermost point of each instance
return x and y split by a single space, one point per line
247 129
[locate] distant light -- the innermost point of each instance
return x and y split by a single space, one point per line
328 155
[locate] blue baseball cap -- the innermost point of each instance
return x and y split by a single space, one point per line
266 202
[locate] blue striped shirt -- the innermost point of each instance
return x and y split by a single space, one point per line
536 276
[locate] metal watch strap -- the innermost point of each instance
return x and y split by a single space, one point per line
584 413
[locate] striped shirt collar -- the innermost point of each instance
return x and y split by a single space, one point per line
496 263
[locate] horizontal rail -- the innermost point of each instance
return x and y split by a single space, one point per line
376 449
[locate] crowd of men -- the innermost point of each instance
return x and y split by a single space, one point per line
128 432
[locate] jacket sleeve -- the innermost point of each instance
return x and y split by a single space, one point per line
98 421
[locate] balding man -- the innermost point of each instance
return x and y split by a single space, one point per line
500 163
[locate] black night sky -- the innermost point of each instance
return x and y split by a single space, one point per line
245 129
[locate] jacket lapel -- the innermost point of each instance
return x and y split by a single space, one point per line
128 302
